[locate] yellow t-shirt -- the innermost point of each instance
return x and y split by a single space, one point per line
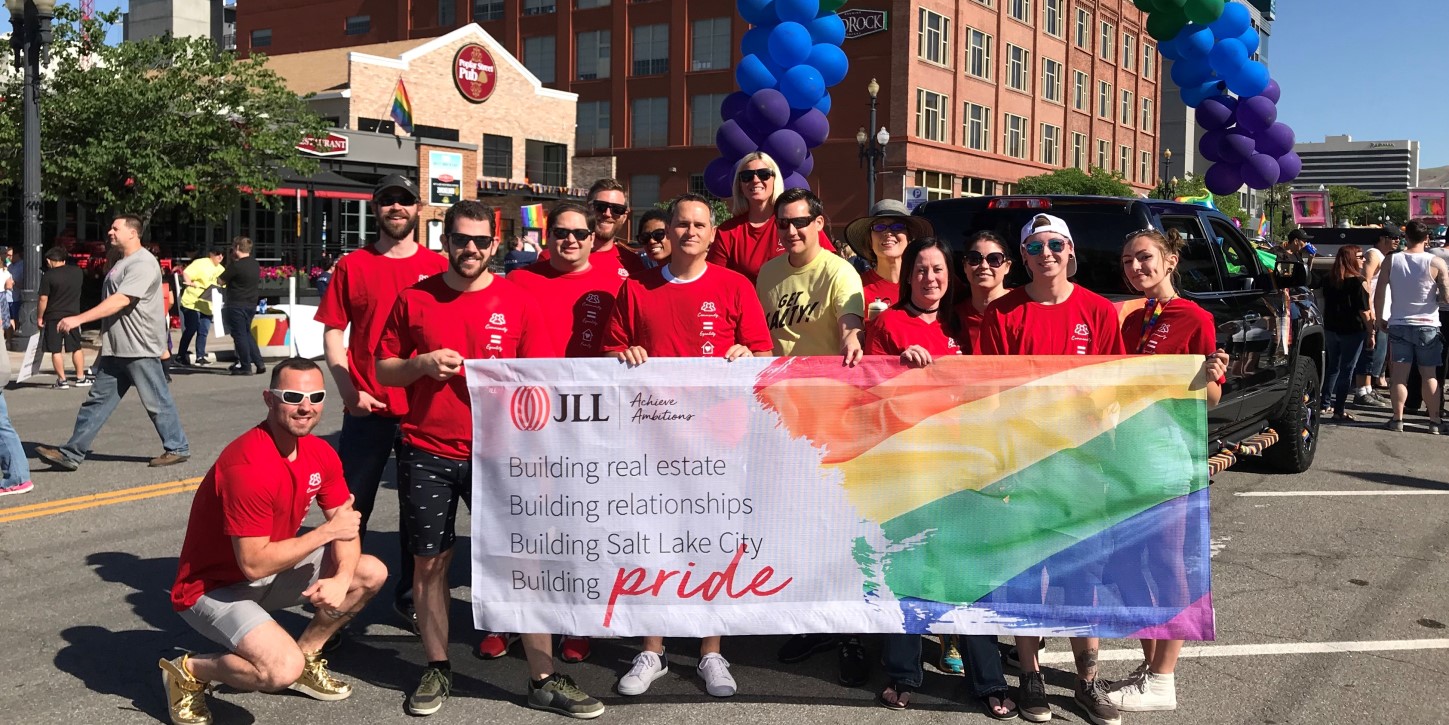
803 306
203 274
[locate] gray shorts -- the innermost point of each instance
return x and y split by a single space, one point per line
228 614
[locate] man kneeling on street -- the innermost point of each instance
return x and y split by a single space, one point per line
243 557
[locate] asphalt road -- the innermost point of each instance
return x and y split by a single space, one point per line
1297 580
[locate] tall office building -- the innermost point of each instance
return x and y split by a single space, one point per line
1376 166
215 19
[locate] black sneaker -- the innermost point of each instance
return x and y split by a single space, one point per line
432 691
61 384
802 647
559 694
1092 697
1031 701
854 667
1013 657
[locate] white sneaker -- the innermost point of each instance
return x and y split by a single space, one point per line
647 668
1151 693
715 671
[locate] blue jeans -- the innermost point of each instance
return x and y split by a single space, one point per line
238 321
1342 352
194 323
1371 363
12 454
901 657
364 446
115 376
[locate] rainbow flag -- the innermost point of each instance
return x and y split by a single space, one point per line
1264 228
402 107
532 217
1204 200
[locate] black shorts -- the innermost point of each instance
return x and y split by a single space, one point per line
54 341
429 488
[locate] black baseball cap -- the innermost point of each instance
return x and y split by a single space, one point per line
395 181
1392 231
1297 234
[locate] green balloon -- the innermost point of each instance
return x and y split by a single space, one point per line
1145 6
1203 12
1165 24
830 6
1171 4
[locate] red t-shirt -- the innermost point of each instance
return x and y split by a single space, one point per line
1183 328
497 321
251 490
878 288
744 247
969 320
364 288
1085 324
575 307
894 330
700 318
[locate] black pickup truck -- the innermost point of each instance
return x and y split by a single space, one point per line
1267 320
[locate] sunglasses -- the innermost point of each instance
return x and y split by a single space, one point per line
295 397
893 228
761 174
461 241
657 235
799 222
387 200
1139 233
1035 248
604 206
561 234
992 260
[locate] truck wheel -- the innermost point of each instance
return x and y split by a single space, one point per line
1297 425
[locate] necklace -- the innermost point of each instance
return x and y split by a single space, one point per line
1151 315
921 310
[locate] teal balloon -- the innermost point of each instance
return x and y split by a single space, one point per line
1203 12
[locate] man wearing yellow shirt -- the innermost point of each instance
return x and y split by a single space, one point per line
198 278
812 298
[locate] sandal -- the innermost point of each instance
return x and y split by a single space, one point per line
1344 416
992 709
895 696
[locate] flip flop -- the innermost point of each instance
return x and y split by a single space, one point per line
895 696
1002 697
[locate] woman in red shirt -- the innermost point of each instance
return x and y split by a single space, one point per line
986 265
880 238
750 238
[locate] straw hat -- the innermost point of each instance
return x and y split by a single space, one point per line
857 233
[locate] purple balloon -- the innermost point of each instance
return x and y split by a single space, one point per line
1216 112
1236 147
733 104
1289 167
1273 92
1257 114
767 111
733 141
1209 144
785 147
796 181
1223 179
719 178
1275 140
807 166
1260 171
812 126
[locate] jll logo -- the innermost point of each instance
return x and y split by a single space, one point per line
529 408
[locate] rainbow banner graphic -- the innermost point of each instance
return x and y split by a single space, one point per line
1311 208
402 108
1204 200
688 497
1429 205
532 216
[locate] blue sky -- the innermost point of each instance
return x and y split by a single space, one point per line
1373 70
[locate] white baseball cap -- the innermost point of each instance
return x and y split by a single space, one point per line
1047 223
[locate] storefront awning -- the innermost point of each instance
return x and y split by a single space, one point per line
324 185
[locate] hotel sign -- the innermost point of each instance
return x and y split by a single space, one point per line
333 144
860 22
474 73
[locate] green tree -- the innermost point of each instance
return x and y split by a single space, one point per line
718 209
1072 181
166 122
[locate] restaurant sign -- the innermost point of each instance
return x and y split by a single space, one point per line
333 144
860 22
474 73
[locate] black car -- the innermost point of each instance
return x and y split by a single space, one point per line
1267 320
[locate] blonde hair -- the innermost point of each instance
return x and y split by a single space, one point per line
738 203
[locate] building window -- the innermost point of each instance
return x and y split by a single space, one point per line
972 186
447 13
1051 144
1146 168
593 126
538 57
1083 34
1018 63
587 4
1127 109
938 185
1019 10
1129 50
1051 15
977 128
484 10
1104 149
1124 159
704 118
546 163
497 156
1079 90
1108 41
649 123
1079 150
538 7
644 191
698 186
987 3
933 40
358 25
711 46
1051 80
1104 99
1147 115
931 115
978 54
1149 60
651 50
593 54
261 38
1016 136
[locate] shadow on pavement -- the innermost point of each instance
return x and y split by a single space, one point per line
1390 479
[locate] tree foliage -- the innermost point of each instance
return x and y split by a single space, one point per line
165 122
1072 181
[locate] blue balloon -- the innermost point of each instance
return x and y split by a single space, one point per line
759 13
823 105
789 45
828 29
797 11
756 41
1234 21
1194 95
1191 71
802 86
1251 40
830 61
1168 49
1250 80
1228 57
733 142
752 75
733 105
1194 40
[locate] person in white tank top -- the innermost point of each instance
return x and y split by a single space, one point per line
1419 281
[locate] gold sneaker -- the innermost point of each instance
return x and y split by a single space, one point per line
185 695
317 682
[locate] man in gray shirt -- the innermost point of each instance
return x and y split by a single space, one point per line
133 336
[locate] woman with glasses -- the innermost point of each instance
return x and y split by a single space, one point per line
880 238
749 238
986 265
653 238
1347 320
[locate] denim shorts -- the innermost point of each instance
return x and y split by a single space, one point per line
1421 345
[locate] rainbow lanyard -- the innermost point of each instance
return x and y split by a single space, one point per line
1150 319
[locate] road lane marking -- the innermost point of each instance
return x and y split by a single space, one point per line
1248 650
1279 494
107 498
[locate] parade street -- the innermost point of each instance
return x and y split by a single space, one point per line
1331 589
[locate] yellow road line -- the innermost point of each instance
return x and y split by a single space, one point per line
78 503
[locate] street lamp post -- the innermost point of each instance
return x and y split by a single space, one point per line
872 148
1164 189
31 21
